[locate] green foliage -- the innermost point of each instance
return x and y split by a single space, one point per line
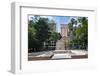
54 36
31 36
39 32
79 34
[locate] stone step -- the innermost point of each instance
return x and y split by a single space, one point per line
61 56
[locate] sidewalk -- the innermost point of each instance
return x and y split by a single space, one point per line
60 54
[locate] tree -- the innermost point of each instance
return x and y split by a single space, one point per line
54 36
82 32
42 33
38 33
72 29
31 36
79 34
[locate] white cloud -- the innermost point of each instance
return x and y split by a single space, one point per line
49 17
44 16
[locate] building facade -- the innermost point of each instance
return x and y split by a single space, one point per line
64 30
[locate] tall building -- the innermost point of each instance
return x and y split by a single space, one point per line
64 30
62 44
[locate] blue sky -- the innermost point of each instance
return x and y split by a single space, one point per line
57 19
61 20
